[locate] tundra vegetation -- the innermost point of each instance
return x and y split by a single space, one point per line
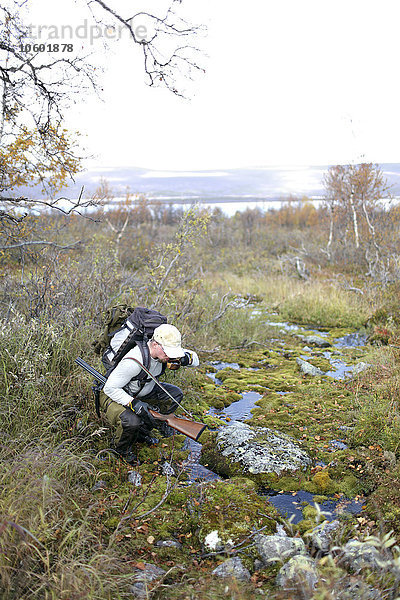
73 524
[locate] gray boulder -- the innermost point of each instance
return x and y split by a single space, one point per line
315 340
360 555
298 571
233 567
259 449
278 548
308 369
322 536
142 577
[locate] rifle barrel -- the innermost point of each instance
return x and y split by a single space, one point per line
82 363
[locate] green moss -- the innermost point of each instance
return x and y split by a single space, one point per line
310 513
351 486
321 363
305 526
323 481
233 509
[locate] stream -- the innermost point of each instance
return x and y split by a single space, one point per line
289 505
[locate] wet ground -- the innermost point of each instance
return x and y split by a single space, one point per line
291 504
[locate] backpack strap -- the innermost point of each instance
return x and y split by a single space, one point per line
145 352
126 344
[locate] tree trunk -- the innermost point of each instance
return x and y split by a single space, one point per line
355 222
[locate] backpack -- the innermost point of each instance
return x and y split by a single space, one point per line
124 328
113 319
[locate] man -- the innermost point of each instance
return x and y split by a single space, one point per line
129 398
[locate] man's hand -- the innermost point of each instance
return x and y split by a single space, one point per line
141 409
190 359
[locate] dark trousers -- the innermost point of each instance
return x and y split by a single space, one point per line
128 426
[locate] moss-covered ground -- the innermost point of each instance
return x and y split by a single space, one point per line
325 415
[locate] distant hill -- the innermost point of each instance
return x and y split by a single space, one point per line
229 185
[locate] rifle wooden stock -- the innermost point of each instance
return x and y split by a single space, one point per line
191 429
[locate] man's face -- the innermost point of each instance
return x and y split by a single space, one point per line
158 353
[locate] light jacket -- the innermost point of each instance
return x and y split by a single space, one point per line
121 385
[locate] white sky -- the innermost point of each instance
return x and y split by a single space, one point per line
287 82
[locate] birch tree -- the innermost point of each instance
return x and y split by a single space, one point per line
353 195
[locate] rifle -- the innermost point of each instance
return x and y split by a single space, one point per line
191 429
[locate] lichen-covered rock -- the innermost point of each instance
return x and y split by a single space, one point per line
360 555
322 536
298 571
308 369
280 530
278 548
168 469
233 567
260 450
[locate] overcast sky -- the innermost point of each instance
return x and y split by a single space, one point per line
287 82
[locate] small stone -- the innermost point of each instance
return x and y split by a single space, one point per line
280 530
322 535
308 369
168 469
138 590
213 542
144 576
168 544
315 340
360 367
135 478
354 590
258 565
360 555
99 485
299 570
233 567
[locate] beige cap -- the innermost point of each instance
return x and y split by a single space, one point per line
170 339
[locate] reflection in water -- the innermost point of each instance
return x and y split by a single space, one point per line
351 340
238 410
291 505
192 465
219 365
